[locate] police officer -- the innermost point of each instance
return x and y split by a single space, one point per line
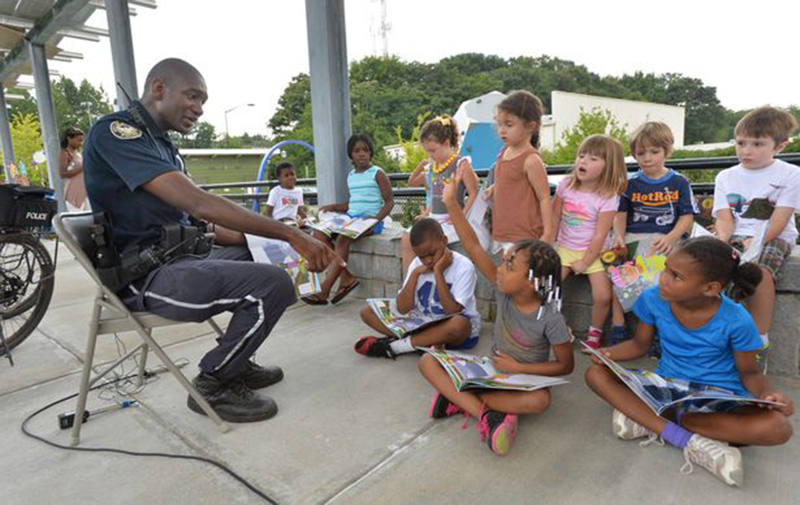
134 174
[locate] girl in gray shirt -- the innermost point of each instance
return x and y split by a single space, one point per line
529 324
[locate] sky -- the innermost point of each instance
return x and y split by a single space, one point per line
248 50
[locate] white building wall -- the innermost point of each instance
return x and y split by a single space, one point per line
566 110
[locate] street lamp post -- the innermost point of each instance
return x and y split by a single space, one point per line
227 137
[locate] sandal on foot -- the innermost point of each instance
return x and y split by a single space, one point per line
344 292
314 300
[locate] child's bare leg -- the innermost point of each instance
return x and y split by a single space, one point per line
605 384
762 302
746 425
565 272
343 251
374 322
406 252
327 283
617 312
601 298
438 378
453 331
517 402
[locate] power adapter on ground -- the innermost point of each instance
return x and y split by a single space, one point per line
66 420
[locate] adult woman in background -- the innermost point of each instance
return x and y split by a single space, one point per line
71 169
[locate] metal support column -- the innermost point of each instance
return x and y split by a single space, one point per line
6 144
330 96
47 118
119 31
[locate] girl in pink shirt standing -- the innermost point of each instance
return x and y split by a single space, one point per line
584 208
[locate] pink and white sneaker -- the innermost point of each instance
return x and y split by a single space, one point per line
594 339
498 430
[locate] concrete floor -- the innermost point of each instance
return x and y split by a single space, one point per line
350 430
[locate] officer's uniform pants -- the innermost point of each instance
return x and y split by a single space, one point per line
194 289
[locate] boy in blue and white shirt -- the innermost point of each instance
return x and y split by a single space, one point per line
439 283
658 203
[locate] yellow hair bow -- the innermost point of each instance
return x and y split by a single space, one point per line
444 120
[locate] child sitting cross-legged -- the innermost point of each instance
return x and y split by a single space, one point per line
706 340
528 326
439 282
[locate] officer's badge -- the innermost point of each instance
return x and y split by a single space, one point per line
124 131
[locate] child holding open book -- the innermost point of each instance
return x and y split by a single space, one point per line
528 326
370 197
439 293
706 340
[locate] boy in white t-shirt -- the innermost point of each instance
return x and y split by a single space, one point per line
760 196
439 282
285 201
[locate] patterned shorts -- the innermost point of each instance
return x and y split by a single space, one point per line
773 253
666 390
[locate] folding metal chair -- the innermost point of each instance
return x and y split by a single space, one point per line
110 315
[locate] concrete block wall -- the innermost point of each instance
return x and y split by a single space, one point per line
375 261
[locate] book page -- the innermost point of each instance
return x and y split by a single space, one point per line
468 371
401 324
476 216
280 254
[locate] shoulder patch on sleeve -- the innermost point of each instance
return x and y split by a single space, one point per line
124 131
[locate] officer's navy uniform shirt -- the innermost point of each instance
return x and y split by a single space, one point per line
654 205
124 151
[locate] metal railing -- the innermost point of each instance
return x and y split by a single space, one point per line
407 199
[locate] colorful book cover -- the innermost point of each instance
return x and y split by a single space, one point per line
342 224
633 270
280 253
658 405
477 372
401 324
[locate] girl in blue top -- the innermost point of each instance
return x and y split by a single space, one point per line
707 340
370 197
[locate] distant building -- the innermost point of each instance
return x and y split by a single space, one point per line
567 107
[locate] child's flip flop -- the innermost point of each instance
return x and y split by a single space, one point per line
310 300
344 292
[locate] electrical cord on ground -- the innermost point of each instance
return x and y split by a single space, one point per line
221 466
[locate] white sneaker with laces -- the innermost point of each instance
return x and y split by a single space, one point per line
628 429
722 460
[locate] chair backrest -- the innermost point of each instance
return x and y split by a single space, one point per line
73 228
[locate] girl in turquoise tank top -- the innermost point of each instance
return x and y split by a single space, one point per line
370 197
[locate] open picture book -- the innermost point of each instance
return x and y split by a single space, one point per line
279 253
342 224
401 324
476 372
659 406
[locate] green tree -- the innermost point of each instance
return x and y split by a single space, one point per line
77 105
597 121
202 136
412 148
27 138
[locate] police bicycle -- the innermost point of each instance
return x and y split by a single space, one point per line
26 267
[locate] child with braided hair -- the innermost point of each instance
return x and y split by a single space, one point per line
529 325
707 340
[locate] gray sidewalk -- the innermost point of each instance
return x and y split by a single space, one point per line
349 430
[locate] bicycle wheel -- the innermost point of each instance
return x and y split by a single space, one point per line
26 286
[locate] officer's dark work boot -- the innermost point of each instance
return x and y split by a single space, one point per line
233 401
256 376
